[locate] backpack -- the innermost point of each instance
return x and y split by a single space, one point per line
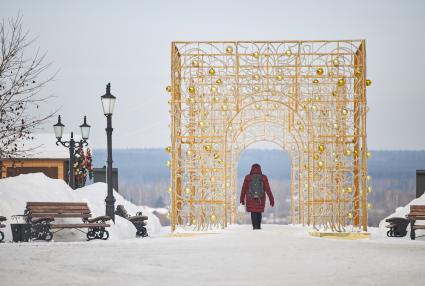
256 188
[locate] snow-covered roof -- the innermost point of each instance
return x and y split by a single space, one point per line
44 147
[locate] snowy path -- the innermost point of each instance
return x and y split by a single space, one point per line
283 255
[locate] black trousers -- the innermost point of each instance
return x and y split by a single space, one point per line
256 220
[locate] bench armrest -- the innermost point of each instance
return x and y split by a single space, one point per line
137 218
102 218
3 218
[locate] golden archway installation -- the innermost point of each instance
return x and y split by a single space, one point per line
309 97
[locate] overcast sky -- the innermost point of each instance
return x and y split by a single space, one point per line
127 43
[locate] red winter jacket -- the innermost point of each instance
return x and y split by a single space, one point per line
255 205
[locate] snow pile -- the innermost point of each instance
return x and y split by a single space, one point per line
16 191
402 212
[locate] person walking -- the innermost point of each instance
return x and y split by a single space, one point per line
254 189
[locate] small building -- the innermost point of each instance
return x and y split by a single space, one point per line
46 158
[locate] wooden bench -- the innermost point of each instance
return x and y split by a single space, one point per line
397 226
41 216
2 218
416 213
139 220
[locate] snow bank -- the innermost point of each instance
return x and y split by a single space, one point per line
402 212
16 191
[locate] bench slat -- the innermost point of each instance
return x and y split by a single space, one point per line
59 211
419 227
56 204
79 225
61 215
57 207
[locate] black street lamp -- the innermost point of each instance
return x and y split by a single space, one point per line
72 144
108 103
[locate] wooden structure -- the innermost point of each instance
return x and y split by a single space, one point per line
44 157
416 213
42 214
53 168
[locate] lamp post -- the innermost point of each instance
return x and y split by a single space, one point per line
108 103
72 144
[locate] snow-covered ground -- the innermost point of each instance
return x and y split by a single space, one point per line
275 255
16 191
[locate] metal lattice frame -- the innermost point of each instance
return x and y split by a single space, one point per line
309 97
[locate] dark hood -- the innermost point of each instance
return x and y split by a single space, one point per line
256 169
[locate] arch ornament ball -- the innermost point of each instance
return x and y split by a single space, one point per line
309 97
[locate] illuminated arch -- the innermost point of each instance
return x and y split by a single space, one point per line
307 96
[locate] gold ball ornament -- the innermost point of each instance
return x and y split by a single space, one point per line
349 190
347 152
216 156
315 81
368 82
334 93
321 148
369 178
369 205
211 71
229 49
168 88
341 82
207 148
256 77
344 111
213 89
168 149
170 189
256 55
219 81
168 163
320 164
316 157
350 215
256 88
187 190
279 77
369 189
213 217
319 71
335 62
224 107
288 52
193 221
188 152
257 106
192 90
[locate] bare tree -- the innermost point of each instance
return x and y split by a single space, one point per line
22 78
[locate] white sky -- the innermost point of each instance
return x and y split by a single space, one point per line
128 44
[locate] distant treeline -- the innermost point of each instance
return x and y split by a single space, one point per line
149 165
